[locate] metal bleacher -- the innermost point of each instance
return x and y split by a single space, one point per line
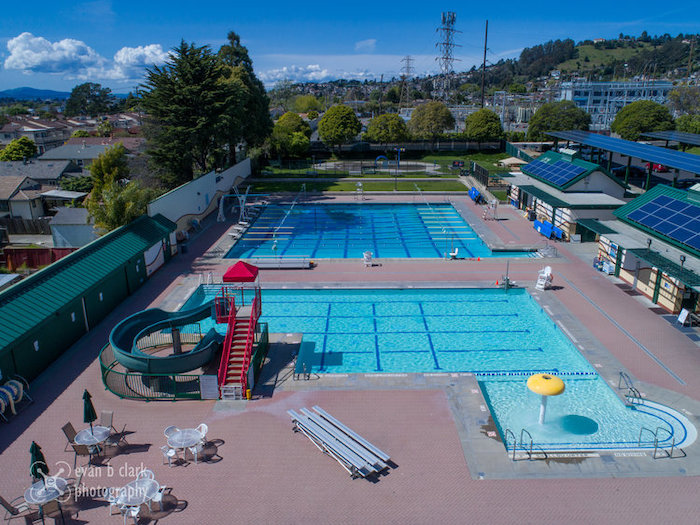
356 455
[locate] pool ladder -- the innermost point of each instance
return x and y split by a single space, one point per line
527 447
657 448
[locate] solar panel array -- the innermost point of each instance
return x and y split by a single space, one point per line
671 217
679 136
558 173
667 157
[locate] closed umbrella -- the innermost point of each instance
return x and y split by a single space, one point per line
38 467
89 414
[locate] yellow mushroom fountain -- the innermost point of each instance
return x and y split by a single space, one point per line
546 385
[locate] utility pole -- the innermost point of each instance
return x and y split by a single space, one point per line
483 65
446 45
381 92
406 73
690 58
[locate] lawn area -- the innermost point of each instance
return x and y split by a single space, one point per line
599 57
694 151
292 186
487 160
292 174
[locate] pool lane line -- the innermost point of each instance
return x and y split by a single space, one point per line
376 338
625 331
430 340
325 337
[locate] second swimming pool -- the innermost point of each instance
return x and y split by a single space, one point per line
341 231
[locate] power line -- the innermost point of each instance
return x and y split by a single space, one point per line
406 73
446 46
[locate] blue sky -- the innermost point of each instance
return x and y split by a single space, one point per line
59 44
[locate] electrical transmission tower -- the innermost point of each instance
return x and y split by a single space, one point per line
446 45
406 74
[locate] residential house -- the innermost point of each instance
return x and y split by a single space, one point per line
46 134
48 173
20 197
81 154
72 228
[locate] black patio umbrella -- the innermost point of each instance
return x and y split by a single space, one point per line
38 467
89 414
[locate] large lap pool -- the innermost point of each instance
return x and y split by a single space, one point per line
502 337
341 231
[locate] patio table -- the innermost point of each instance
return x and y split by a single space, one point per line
137 492
43 491
92 436
184 438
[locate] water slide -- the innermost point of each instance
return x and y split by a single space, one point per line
141 324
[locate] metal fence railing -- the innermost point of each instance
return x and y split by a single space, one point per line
487 179
189 334
146 387
516 152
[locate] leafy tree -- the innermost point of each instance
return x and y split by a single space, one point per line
114 201
19 149
393 95
312 115
639 117
431 119
306 103
104 128
557 116
89 99
80 133
518 88
299 144
291 122
338 125
82 184
249 112
282 94
688 123
119 205
483 126
685 99
387 128
188 107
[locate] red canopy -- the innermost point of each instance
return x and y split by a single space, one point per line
241 272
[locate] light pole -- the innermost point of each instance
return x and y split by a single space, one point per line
398 165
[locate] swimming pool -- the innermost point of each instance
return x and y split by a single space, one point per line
341 231
502 337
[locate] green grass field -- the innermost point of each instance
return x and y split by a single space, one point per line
293 186
599 57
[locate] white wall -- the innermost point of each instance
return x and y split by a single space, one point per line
198 198
598 181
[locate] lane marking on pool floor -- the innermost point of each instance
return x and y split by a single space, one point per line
624 331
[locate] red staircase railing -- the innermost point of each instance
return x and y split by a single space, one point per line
228 341
255 310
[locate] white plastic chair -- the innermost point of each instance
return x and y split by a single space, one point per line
169 453
170 431
454 254
146 474
110 494
367 257
131 512
203 429
158 498
195 450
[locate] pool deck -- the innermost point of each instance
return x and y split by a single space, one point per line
450 463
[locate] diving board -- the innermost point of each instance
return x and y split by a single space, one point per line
354 453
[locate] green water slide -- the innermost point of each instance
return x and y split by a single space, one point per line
142 324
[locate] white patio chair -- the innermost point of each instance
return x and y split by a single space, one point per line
146 474
367 258
454 254
110 494
158 498
203 429
170 431
169 453
195 450
131 512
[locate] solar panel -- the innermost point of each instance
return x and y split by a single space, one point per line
678 136
667 157
558 173
673 218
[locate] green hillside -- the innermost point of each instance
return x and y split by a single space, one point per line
592 58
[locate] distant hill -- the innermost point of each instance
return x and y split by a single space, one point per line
28 93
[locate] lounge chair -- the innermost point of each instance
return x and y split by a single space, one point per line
544 278
70 434
356 455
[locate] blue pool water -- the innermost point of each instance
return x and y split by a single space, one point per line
341 231
502 337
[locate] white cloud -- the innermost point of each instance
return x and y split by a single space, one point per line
76 60
36 54
366 46
311 73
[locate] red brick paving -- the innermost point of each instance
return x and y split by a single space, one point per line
267 474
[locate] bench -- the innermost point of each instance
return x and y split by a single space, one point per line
355 454
280 263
